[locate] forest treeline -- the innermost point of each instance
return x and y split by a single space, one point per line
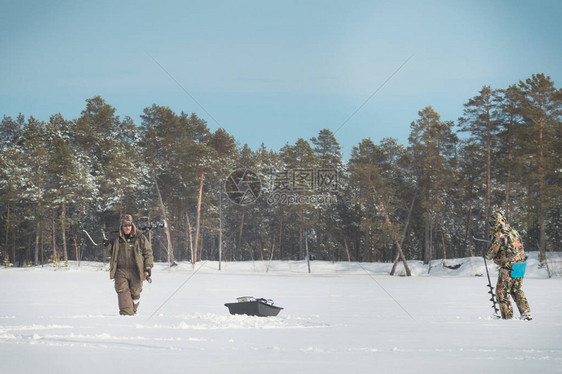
64 177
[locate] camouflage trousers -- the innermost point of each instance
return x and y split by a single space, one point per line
128 288
510 286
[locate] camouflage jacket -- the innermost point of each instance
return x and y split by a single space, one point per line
506 248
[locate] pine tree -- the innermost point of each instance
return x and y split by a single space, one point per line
16 186
472 190
95 127
433 147
480 120
510 130
36 148
540 105
329 171
368 165
11 130
300 161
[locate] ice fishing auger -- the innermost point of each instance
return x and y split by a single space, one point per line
491 291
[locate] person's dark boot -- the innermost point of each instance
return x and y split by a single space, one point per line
526 315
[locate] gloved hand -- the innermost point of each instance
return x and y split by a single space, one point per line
106 242
147 274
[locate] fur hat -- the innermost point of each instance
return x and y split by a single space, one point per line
127 219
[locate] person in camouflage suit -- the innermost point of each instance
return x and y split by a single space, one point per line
131 261
507 250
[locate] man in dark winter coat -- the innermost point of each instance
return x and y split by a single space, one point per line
131 261
507 252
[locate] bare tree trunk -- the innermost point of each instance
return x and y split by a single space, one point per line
542 225
220 231
14 249
6 258
508 181
404 232
542 239
430 245
488 175
346 249
149 231
280 234
43 249
37 236
198 223
439 228
300 235
238 249
271 255
77 251
55 259
189 237
168 234
426 242
63 229
307 254
38 217
468 242
389 224
366 250
262 245
443 243
251 250
201 243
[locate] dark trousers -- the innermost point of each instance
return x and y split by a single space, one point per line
128 287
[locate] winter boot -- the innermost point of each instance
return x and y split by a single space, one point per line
526 315
135 305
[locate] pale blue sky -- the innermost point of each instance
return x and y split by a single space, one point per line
273 71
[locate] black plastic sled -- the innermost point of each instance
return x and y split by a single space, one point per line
253 307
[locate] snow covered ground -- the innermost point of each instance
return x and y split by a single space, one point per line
339 319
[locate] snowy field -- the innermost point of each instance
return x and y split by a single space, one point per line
339 319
